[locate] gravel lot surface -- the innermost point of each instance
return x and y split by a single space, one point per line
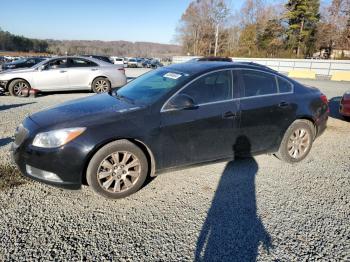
251 209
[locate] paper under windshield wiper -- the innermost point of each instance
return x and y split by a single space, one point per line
124 98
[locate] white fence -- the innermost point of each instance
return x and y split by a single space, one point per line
320 67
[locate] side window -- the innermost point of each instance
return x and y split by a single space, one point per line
77 62
257 83
57 63
284 86
214 87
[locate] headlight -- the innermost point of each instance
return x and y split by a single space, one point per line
10 66
57 138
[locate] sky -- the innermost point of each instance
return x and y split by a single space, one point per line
107 20
131 20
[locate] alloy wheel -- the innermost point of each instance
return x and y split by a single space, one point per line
101 86
19 88
299 143
119 171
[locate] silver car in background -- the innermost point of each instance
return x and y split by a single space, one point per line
63 74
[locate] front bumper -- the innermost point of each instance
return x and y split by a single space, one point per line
3 84
61 167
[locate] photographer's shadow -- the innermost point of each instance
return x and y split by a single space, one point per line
233 230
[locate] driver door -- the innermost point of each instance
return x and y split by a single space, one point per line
206 131
53 76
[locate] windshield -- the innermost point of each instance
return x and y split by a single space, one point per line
41 63
151 86
21 60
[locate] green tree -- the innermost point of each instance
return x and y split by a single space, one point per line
271 40
302 16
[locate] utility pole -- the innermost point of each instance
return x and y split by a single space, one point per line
216 39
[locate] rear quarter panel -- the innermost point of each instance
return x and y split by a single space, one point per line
117 78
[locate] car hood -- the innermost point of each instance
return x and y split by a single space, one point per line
17 70
84 112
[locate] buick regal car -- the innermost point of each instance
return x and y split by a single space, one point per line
175 116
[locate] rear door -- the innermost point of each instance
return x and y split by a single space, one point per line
267 108
207 132
53 76
79 71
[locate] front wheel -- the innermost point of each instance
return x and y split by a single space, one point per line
297 141
19 88
117 170
101 85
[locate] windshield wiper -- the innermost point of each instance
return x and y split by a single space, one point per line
123 98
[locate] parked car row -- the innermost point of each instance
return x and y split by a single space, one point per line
136 62
64 73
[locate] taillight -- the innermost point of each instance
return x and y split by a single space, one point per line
325 101
121 69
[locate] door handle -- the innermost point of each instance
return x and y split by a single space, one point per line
229 115
94 69
283 104
63 71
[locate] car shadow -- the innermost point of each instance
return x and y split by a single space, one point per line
6 107
333 104
233 230
44 94
5 141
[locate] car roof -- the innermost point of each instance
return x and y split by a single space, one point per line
194 68
97 61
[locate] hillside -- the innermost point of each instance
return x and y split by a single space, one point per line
16 43
117 48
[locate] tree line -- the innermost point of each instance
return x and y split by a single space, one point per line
11 42
294 28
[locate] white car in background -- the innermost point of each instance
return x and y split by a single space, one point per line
63 74
132 62
118 60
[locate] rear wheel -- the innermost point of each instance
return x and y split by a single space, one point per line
101 85
297 141
117 170
19 87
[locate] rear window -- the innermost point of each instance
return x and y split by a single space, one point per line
284 86
77 62
257 83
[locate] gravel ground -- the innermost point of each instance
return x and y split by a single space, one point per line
251 209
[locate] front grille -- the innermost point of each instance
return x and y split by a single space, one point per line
21 134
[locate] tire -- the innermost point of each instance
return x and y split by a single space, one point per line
117 170
347 118
297 141
19 88
101 85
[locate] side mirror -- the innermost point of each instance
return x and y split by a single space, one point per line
41 68
182 102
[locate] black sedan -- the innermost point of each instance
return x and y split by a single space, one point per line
171 117
22 63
